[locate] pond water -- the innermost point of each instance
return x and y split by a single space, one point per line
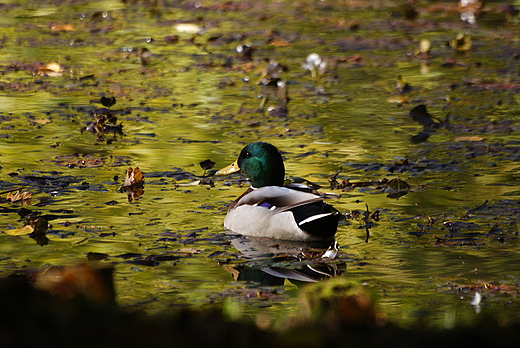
183 98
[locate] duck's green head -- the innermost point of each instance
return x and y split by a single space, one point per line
263 164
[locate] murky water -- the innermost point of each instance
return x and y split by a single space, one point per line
456 231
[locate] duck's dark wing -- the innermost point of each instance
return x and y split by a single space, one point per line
317 218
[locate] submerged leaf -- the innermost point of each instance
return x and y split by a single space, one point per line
461 43
397 188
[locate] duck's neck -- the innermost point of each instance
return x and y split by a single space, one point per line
263 164
271 178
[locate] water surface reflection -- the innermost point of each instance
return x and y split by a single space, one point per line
270 262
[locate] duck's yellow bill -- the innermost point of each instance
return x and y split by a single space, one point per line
232 168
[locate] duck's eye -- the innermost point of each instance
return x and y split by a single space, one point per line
248 154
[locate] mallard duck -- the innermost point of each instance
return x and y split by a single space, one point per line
270 209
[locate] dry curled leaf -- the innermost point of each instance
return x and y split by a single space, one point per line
61 27
133 177
134 184
468 138
52 69
279 43
18 196
41 121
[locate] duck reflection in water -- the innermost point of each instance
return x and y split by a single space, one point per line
272 261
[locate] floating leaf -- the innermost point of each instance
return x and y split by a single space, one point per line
133 177
397 188
144 55
207 164
399 99
197 182
51 69
461 43
61 27
134 184
80 161
402 86
468 138
108 102
18 196
279 43
424 48
105 123
246 52
28 229
188 28
41 121
171 39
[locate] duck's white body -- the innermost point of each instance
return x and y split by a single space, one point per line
266 212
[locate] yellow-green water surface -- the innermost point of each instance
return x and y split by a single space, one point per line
183 98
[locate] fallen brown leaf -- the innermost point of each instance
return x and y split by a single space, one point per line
18 196
52 69
134 184
41 121
61 27
279 43
133 176
468 138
